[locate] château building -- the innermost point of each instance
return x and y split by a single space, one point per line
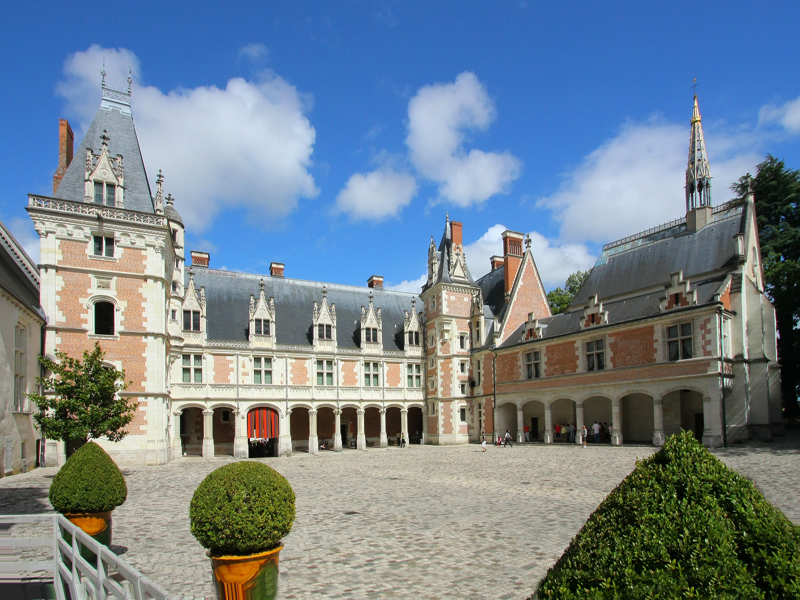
672 328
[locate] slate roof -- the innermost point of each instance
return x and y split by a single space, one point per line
18 274
493 289
444 253
119 125
228 303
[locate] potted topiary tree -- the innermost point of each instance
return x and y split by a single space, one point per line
240 513
87 488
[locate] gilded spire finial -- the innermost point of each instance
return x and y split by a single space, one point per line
694 86
103 73
130 79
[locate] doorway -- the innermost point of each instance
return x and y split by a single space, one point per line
699 426
534 428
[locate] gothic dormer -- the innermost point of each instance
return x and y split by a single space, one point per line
324 323
262 320
413 333
594 314
371 328
104 176
678 293
193 314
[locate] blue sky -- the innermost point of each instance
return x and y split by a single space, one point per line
334 137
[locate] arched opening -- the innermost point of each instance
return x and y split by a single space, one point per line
372 426
683 409
192 432
597 409
507 420
224 431
637 419
533 418
299 429
103 318
263 431
349 425
393 425
326 427
414 425
562 415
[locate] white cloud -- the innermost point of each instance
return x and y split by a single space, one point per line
555 261
635 181
26 236
414 285
439 117
376 195
787 115
254 52
248 145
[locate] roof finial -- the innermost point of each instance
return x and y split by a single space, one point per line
694 86
324 292
447 216
261 285
103 73
170 199
105 138
130 79
527 241
371 295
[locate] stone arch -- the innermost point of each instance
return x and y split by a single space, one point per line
372 424
636 410
504 401
562 414
299 428
349 424
533 417
597 408
263 431
326 425
263 404
222 404
224 427
191 429
393 423
507 419
415 424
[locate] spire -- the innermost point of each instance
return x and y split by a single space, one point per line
698 173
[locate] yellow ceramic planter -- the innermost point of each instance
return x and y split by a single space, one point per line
96 525
253 577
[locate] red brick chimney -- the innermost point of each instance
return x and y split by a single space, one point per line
497 262
200 259
66 142
512 257
456 232
276 269
376 281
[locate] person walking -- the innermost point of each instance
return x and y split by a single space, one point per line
584 434
402 440
596 431
507 440
483 444
527 431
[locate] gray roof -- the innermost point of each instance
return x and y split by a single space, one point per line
228 303
648 260
119 125
171 213
444 253
494 292
18 274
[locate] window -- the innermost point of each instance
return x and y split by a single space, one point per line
726 337
679 341
192 368
414 376
191 320
413 338
325 372
478 373
262 326
177 263
463 415
174 287
262 370
103 318
463 387
103 246
432 341
463 367
462 342
595 356
532 365
432 386
433 302
107 196
431 362
324 332
174 236
371 335
173 315
20 381
371 374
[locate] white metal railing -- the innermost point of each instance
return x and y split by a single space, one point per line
53 553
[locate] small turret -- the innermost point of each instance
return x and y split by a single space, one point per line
698 177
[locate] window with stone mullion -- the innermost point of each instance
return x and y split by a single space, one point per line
595 355
20 380
262 326
532 363
371 374
679 341
192 368
324 332
324 372
262 370
414 376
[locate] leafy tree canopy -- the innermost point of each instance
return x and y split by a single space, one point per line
560 298
80 399
777 198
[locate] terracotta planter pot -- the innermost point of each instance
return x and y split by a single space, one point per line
96 525
253 577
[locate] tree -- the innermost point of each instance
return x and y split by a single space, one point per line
80 400
559 298
777 198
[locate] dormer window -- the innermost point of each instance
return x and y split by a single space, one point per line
191 320
262 326
413 338
371 334
105 193
324 332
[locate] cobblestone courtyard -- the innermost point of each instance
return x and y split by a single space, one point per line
424 522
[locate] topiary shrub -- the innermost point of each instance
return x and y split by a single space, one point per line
681 525
89 482
242 508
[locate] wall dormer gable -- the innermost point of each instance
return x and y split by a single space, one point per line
261 327
324 323
413 336
678 293
193 309
533 329
594 314
371 327
104 176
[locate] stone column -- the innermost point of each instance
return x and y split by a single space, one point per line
361 439
337 434
241 448
425 424
404 423
578 422
285 443
313 438
384 439
520 425
658 421
616 422
548 424
712 422
208 433
177 445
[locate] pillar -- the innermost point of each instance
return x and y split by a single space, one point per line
520 425
285 444
404 423
241 448
177 445
208 433
361 439
425 424
712 422
578 422
313 438
548 424
384 439
616 422
337 434
658 421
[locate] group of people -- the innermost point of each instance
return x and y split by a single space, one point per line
565 433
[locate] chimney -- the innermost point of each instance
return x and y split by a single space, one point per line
376 281
200 259
512 257
66 142
497 262
455 232
276 269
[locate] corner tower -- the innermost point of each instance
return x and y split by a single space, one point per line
698 176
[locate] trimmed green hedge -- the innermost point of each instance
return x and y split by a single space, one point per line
242 508
681 525
90 481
